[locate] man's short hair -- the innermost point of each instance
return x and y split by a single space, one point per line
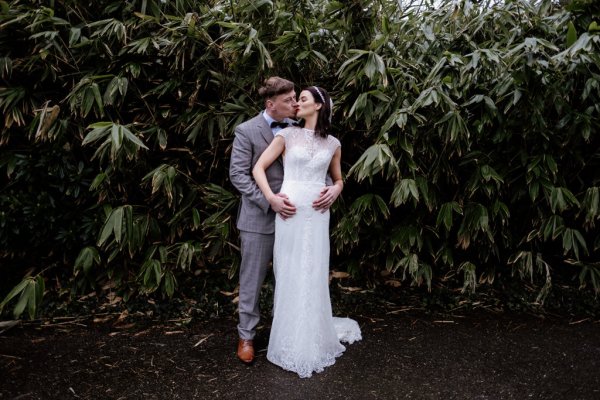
274 86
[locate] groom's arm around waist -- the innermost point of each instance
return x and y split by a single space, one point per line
240 171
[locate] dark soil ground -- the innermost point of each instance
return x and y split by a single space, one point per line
478 355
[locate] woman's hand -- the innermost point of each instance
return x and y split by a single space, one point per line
327 196
281 204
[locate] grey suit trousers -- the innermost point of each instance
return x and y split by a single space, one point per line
257 253
256 219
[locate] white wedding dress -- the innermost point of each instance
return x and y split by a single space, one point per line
305 337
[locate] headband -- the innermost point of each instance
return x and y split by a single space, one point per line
323 101
320 94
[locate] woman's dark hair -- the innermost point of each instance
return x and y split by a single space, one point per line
324 120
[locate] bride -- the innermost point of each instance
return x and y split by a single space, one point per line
305 337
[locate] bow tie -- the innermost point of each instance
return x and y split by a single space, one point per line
279 124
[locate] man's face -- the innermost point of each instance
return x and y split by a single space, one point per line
282 106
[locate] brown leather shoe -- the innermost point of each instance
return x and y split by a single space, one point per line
245 351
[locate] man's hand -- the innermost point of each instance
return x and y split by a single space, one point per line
326 198
281 204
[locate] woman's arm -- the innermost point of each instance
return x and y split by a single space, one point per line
330 193
279 202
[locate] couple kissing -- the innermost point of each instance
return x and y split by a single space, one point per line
288 177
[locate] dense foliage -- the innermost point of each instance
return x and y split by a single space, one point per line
469 131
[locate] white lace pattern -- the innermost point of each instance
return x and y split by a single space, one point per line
305 337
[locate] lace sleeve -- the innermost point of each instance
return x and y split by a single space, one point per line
334 143
284 133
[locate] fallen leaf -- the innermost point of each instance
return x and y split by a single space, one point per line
126 326
339 274
87 296
99 320
122 317
351 289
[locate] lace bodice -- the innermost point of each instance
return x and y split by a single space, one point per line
307 156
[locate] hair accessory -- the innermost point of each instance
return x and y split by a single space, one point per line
320 94
323 101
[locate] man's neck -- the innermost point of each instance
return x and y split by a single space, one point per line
274 117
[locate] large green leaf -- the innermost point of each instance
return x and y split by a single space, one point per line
466 138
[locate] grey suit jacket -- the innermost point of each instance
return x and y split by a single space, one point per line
251 139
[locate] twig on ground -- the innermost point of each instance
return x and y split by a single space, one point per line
13 357
6 325
75 322
578 322
23 396
204 339
232 377
400 310
73 391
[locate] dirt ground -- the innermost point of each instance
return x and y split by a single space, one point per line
401 356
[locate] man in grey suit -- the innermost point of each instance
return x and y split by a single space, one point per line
256 217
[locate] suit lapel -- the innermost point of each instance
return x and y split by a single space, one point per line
264 129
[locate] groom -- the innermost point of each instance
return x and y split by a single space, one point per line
256 217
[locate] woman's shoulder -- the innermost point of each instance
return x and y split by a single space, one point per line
290 130
334 141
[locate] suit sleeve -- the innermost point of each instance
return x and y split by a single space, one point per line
240 171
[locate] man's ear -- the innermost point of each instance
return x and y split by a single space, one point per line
269 104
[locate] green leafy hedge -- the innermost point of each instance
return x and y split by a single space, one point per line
469 131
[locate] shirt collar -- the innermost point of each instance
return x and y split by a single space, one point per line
270 119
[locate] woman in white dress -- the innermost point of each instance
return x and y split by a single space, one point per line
305 337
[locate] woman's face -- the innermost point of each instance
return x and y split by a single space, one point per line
307 105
